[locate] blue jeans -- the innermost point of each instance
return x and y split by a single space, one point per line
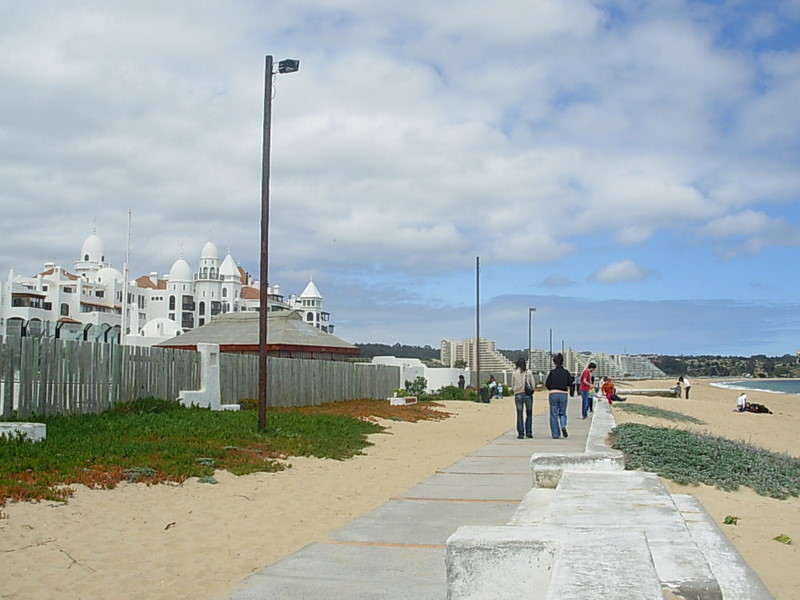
523 401
558 413
586 404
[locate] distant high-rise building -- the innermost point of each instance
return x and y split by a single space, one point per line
452 352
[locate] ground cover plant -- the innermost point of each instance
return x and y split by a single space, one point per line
152 440
688 457
655 412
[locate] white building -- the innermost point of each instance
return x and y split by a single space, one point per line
87 303
453 352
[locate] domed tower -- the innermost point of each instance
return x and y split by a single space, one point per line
208 285
180 294
93 257
309 303
231 284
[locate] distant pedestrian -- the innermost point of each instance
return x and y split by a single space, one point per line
586 387
684 381
523 383
461 382
557 383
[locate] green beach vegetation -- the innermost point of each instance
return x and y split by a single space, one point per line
688 457
152 440
655 412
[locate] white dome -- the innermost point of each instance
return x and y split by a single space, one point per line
180 271
107 275
228 267
92 250
209 251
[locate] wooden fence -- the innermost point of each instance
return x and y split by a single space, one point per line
303 382
43 376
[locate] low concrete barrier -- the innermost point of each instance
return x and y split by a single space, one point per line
33 432
547 468
547 563
667 393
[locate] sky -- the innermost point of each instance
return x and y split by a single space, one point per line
630 169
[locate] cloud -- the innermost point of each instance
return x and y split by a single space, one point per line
414 138
749 232
622 271
557 281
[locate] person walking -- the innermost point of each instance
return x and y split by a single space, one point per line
557 383
523 383
585 387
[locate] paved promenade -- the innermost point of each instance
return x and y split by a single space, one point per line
397 551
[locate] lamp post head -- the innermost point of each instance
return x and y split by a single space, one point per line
290 65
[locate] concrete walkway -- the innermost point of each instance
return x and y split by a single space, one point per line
397 551
481 523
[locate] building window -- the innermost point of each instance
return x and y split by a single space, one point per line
310 317
202 310
65 310
172 302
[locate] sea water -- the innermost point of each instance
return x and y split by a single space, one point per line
776 386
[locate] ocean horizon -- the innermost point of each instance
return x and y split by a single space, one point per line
775 386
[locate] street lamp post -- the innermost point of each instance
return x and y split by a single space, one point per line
531 310
284 66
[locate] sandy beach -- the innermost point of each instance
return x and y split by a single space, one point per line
199 541
760 518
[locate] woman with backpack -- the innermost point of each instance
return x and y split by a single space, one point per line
523 383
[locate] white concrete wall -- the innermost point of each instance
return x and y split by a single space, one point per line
411 368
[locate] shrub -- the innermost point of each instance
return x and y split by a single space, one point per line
417 387
143 406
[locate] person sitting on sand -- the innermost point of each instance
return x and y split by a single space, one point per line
741 403
610 391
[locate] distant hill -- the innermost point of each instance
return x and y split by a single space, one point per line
703 366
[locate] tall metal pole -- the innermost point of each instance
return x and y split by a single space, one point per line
263 309
478 318
125 276
531 310
551 343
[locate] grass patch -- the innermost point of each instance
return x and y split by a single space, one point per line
655 412
152 441
691 458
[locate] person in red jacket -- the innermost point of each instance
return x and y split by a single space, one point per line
585 388
610 391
